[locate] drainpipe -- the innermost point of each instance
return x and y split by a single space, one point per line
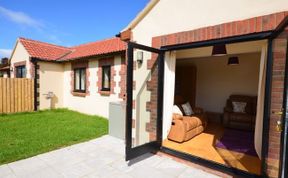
34 62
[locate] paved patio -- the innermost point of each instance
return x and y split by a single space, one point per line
98 158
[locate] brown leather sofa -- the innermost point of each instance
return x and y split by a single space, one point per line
184 128
244 121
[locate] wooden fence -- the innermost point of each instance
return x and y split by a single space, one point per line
16 95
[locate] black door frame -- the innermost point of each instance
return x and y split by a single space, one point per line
228 40
154 145
243 38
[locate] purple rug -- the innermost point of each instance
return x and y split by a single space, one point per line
239 141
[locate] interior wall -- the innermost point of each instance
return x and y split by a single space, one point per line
216 80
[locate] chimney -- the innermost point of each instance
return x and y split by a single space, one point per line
4 61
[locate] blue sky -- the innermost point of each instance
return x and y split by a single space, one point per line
64 22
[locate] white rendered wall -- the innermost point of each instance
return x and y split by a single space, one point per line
171 16
20 54
51 80
94 104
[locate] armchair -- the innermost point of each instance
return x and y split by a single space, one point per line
183 128
237 120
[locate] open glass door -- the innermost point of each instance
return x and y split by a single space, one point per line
145 72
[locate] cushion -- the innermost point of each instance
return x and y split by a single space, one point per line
250 100
239 107
187 109
176 110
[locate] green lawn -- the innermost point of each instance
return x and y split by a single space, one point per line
27 134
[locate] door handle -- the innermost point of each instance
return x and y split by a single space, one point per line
278 112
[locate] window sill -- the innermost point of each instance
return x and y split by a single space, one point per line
80 94
105 93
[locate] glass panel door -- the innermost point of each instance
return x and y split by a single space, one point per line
144 100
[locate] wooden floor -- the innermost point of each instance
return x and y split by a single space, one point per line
203 146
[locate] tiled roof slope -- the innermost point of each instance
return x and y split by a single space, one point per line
96 48
51 52
44 51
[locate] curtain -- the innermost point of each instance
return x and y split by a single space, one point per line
169 85
106 81
260 103
77 79
83 79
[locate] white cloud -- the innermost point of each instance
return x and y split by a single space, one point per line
21 18
46 30
5 52
54 39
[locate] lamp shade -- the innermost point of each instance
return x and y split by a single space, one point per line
219 50
233 60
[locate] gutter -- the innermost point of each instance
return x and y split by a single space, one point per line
89 57
79 58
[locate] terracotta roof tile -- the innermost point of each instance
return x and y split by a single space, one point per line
44 51
50 52
107 46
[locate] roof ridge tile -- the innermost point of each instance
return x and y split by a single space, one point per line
94 42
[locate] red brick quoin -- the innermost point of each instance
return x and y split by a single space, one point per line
80 64
104 62
122 82
151 106
32 69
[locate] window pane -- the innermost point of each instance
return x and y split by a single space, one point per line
83 79
77 79
23 71
106 77
20 72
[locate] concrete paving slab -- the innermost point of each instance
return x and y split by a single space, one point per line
99 158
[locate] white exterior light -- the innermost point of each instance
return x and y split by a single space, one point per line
139 57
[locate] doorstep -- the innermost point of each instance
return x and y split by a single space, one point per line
197 166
